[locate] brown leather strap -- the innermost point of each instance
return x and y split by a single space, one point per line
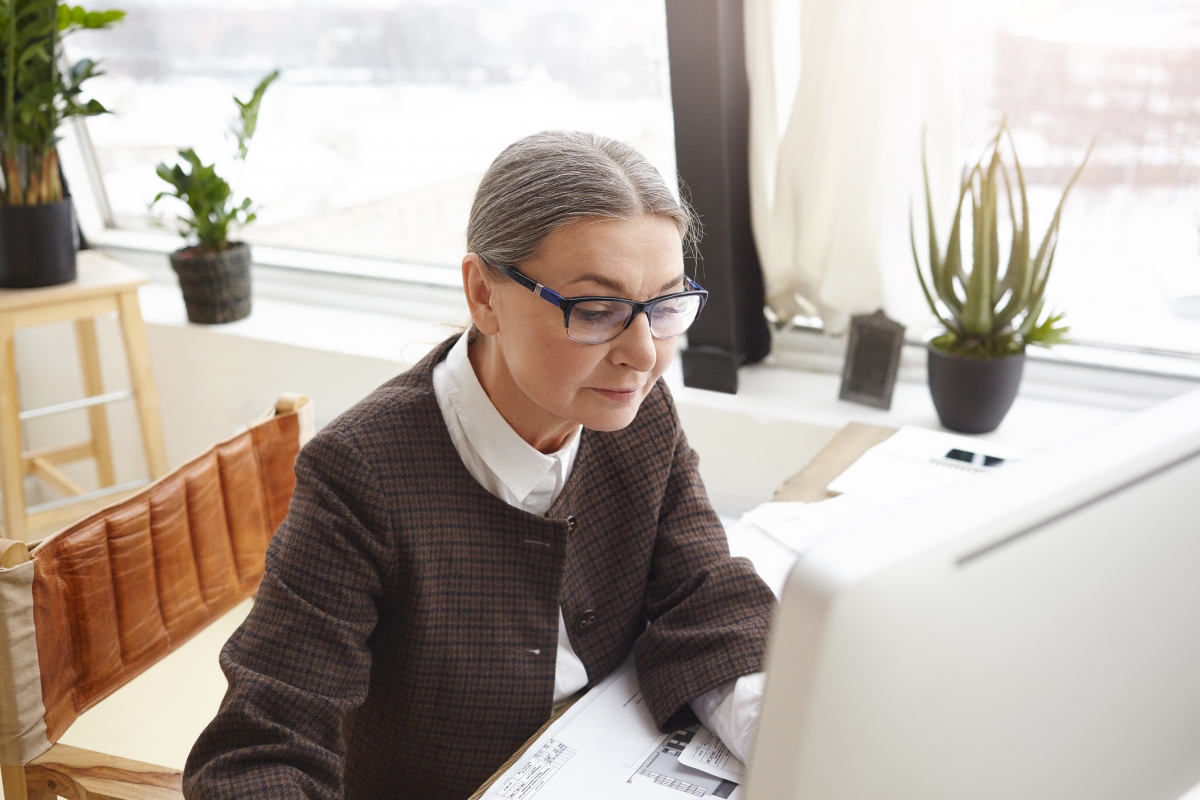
121 588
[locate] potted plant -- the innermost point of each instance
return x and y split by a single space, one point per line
38 236
989 317
214 272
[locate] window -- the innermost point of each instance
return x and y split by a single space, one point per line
386 114
1127 72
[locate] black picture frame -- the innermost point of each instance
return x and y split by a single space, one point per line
872 360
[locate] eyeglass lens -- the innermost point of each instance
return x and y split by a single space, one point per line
597 321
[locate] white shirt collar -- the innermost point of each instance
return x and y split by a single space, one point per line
518 465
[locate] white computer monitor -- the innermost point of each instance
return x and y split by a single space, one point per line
1032 636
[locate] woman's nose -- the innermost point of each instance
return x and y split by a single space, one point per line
634 348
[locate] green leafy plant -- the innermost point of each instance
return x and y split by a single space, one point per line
38 95
208 196
988 314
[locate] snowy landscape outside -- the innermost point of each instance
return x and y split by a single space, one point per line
388 111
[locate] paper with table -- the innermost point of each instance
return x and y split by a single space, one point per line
707 753
607 745
604 746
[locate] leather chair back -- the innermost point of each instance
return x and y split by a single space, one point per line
107 597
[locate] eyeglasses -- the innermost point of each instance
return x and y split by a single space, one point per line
596 320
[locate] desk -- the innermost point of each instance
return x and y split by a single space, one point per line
847 446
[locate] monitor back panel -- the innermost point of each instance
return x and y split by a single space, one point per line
1059 661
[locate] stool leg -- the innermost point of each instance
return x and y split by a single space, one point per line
12 467
93 384
137 352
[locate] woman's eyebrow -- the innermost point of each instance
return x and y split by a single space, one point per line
618 287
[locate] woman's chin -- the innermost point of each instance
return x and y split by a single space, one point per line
607 415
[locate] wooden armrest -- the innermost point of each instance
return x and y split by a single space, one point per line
79 774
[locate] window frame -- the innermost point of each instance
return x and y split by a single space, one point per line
333 280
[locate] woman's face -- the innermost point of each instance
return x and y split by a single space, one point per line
599 386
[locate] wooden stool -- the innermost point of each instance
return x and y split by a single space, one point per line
102 287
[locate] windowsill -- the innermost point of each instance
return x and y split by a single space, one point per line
368 314
366 334
366 284
160 242
784 394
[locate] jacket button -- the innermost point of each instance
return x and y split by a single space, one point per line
570 524
585 620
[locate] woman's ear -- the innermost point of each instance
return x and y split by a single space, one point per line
479 294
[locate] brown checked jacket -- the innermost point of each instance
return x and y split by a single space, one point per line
404 638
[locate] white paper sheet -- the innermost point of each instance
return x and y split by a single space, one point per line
914 461
707 753
607 746
774 535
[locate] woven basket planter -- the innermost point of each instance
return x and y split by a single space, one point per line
216 285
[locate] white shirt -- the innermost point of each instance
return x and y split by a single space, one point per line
517 473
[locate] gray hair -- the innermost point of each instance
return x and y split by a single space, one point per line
550 179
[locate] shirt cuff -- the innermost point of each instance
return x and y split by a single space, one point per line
731 712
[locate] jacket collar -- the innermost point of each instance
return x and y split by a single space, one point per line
517 464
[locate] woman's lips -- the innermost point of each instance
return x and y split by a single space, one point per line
621 395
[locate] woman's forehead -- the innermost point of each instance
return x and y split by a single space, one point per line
627 257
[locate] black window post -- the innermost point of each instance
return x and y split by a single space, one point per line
711 100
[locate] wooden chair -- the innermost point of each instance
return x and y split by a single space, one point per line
88 609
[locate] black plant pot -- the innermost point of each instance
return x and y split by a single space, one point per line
37 245
972 395
216 285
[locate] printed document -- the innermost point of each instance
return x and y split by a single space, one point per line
707 753
607 746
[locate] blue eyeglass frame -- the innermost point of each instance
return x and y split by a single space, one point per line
569 303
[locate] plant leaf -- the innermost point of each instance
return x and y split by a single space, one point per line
951 267
935 251
246 123
912 237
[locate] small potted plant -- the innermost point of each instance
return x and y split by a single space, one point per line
38 236
989 316
214 272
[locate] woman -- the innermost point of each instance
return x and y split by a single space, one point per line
500 526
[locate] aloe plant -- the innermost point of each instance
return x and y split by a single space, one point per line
988 314
211 209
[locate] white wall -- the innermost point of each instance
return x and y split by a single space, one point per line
209 385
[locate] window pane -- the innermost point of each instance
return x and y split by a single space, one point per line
1127 270
387 112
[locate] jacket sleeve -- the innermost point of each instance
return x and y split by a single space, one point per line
301 659
709 614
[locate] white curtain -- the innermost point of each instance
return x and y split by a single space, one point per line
839 93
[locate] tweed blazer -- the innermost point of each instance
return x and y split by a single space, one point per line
403 640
